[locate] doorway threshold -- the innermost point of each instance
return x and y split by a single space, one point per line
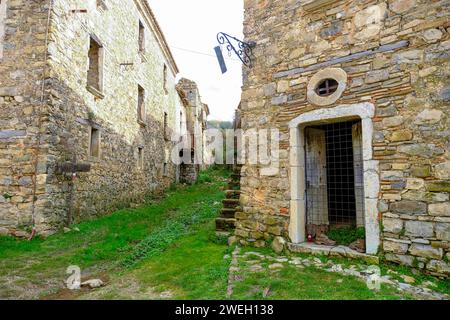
332 251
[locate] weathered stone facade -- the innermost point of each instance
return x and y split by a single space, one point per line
390 60
51 115
194 140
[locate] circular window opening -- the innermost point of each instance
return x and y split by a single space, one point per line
327 87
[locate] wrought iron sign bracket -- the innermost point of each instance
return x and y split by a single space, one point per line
242 50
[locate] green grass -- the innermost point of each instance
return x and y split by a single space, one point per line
109 242
168 249
346 235
194 268
309 283
173 229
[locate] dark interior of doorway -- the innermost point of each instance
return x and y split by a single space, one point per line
338 199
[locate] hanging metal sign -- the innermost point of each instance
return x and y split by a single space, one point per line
241 49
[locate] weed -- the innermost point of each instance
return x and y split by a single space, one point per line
346 235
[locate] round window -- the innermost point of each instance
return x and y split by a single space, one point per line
327 87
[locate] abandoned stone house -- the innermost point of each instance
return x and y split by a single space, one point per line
359 91
88 107
193 154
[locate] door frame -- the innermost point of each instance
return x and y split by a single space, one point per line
363 111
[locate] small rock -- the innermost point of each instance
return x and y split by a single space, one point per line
429 284
66 230
275 266
404 286
432 35
317 261
93 283
232 241
295 261
408 279
251 253
392 272
339 280
226 257
166 295
278 244
266 292
234 269
322 239
336 268
256 268
386 280
358 245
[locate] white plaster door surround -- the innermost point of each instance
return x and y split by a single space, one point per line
363 111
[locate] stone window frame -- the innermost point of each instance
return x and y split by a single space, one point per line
91 157
365 112
165 169
97 92
166 126
141 38
337 74
140 156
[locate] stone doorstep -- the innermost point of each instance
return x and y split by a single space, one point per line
339 251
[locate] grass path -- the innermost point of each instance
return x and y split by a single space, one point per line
31 270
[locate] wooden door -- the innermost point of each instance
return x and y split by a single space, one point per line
316 182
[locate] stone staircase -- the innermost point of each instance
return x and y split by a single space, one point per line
225 223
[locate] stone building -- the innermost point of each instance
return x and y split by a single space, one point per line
194 142
88 105
359 91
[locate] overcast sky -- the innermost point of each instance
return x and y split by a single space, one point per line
192 25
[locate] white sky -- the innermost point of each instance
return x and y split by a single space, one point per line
193 25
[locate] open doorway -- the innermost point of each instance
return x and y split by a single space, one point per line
334 177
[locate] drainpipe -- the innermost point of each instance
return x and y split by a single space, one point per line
41 105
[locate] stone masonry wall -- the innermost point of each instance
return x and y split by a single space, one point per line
115 178
408 85
22 68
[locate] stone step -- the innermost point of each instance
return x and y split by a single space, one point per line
225 224
232 194
236 177
230 203
227 213
234 186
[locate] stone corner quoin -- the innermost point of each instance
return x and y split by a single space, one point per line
390 56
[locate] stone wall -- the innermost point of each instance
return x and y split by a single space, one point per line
396 56
71 110
196 116
22 69
2 25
